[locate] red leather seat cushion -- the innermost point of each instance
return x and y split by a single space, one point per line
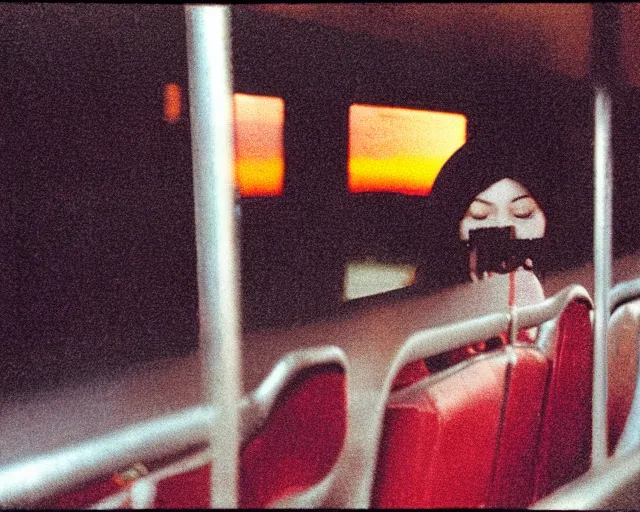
439 438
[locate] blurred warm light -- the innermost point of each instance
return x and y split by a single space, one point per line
364 278
259 160
400 149
172 103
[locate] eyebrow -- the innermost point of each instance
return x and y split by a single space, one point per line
489 203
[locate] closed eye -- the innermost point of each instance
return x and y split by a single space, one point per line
523 207
478 210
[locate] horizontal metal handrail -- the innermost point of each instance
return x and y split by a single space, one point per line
536 314
612 486
28 482
624 292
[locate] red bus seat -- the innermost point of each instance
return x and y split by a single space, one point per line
439 437
292 447
623 337
564 447
295 448
515 467
301 440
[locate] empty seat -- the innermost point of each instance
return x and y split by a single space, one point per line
515 467
624 391
564 447
294 449
300 441
440 436
623 337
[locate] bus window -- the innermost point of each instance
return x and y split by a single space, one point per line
259 125
398 151
172 103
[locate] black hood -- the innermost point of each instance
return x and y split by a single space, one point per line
478 164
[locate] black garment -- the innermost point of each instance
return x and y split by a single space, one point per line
478 164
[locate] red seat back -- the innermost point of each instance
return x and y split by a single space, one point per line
439 437
300 441
564 448
623 336
514 476
295 449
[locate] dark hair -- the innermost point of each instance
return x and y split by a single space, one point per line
477 165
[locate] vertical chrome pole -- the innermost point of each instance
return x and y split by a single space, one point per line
210 97
602 266
604 76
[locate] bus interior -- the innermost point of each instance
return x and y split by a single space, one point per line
212 220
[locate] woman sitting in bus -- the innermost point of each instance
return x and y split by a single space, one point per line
487 216
487 183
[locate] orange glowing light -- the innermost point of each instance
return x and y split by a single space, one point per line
400 149
259 160
172 103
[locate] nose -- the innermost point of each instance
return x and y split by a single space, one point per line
503 219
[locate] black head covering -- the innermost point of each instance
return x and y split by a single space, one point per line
477 165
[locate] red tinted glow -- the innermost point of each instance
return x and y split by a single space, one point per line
400 149
172 103
259 160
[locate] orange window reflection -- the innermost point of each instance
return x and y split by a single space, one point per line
259 159
400 149
172 103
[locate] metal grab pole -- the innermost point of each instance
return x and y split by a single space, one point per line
210 97
604 75
602 271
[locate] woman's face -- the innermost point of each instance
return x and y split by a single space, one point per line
505 203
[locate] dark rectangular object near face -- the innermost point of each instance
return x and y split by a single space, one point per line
497 249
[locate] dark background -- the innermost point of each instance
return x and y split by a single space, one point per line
97 241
